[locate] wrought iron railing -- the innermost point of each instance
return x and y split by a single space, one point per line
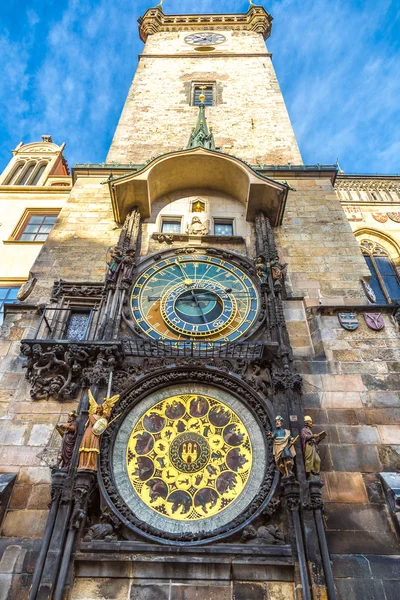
200 349
74 324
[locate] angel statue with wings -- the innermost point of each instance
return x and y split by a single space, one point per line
96 425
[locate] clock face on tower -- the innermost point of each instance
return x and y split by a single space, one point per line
195 297
205 39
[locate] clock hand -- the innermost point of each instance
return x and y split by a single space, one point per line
189 282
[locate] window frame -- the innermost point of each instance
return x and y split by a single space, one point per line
198 84
377 251
24 220
3 301
224 221
170 219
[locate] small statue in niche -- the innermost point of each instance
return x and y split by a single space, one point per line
310 443
114 264
96 425
284 451
277 268
262 270
197 227
68 432
129 266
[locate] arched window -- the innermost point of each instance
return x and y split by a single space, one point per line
384 278
15 173
38 173
26 174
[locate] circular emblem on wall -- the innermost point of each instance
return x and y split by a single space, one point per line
189 462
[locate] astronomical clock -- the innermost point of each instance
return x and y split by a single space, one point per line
189 458
195 297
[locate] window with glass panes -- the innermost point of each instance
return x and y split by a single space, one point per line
223 228
171 226
384 278
207 90
37 228
8 295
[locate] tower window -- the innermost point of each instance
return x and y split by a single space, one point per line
38 174
203 88
8 295
384 279
171 226
223 227
36 227
26 174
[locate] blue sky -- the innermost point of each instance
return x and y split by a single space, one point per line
67 66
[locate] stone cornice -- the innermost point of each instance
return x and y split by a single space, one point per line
155 21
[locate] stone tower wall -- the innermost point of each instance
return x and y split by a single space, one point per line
250 118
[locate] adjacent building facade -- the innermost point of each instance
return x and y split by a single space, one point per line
199 385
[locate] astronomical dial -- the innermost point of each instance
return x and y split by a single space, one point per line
205 39
194 298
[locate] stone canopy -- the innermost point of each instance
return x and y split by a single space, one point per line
198 168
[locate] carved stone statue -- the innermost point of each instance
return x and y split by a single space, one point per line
262 270
197 227
68 431
129 265
284 451
114 264
277 268
264 535
310 443
96 425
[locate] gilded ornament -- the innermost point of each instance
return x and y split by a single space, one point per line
96 425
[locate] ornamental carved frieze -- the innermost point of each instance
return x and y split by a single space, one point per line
368 185
60 371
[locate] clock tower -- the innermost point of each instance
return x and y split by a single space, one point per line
227 54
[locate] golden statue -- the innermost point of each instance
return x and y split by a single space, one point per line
96 425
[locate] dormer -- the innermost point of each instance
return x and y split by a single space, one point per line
39 164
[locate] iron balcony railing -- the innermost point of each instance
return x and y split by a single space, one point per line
74 324
149 348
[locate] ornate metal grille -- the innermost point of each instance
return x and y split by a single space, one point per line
77 325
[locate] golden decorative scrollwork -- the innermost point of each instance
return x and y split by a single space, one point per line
189 457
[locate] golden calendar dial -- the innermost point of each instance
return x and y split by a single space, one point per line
189 457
